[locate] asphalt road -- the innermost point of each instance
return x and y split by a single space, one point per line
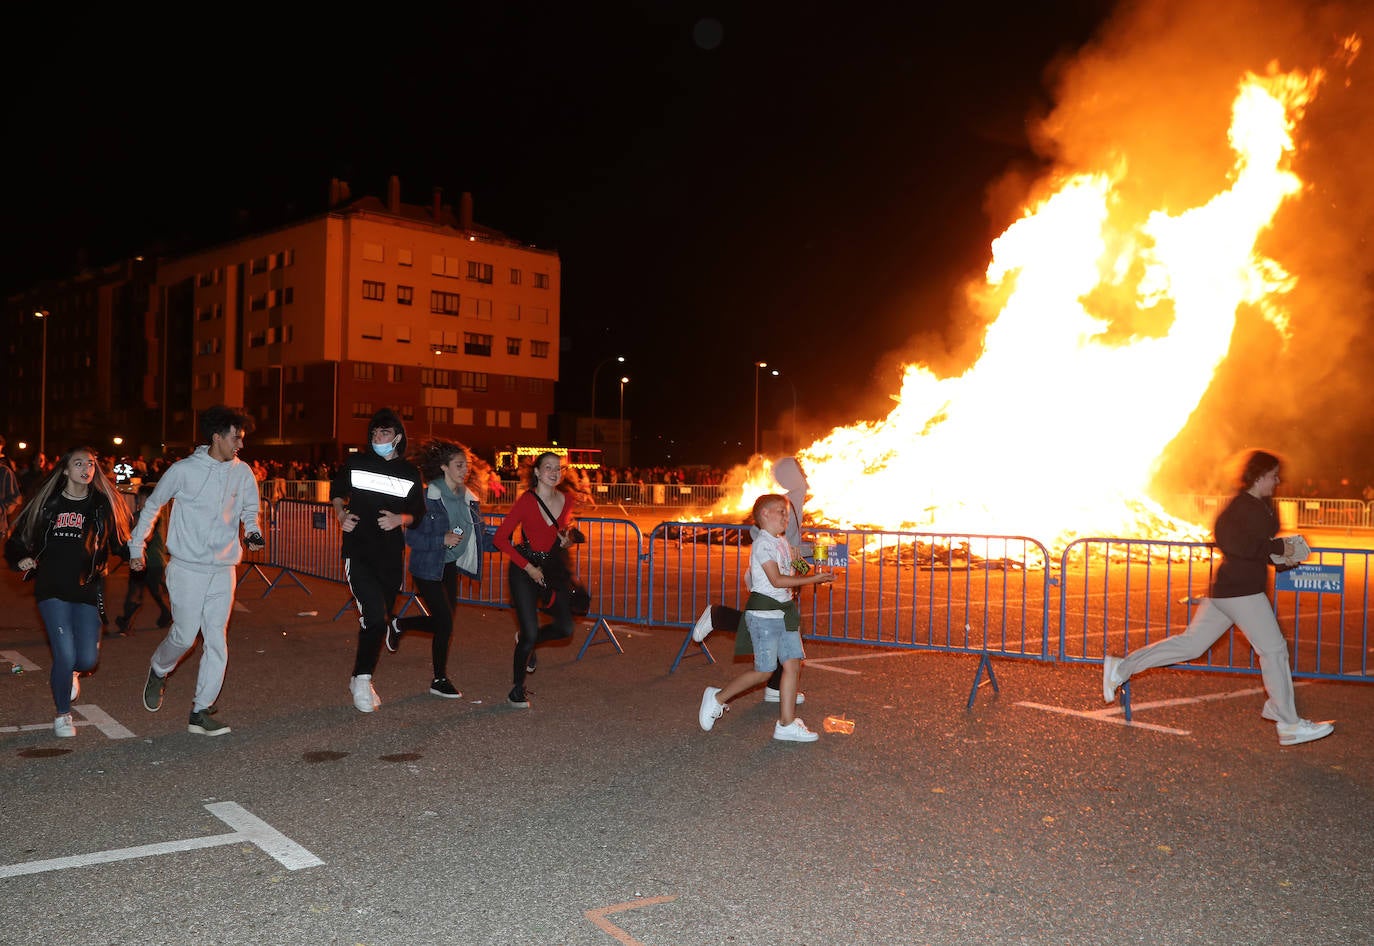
604 815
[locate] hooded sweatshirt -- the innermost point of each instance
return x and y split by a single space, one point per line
213 498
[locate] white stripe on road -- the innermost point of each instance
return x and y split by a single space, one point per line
18 660
821 662
251 829
102 720
1116 714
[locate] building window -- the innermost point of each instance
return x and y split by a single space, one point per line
257 303
439 415
541 280
284 258
482 272
538 316
539 349
443 303
444 266
536 385
515 277
394 374
472 380
362 410
257 339
204 315
372 330
208 347
434 378
208 278
280 297
405 295
404 257
475 344
403 334
258 265
374 252
407 412
372 289
512 383
512 346
479 308
362 370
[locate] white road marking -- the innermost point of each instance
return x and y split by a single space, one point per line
251 829
94 716
1115 713
820 663
19 660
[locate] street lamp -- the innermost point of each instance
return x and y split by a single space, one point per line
620 451
619 358
793 439
757 366
433 383
42 316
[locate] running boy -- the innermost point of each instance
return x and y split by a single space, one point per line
773 619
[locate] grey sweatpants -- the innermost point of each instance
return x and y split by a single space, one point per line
202 597
1254 615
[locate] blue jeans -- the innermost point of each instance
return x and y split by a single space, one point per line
74 636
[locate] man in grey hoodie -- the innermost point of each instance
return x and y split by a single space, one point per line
215 493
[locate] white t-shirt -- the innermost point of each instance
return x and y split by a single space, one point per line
769 548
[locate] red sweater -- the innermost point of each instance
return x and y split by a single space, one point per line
526 514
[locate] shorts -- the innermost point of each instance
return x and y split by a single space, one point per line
773 642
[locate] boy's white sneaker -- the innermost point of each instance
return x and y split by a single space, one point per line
703 626
771 695
1110 680
710 710
62 726
364 697
1304 730
794 731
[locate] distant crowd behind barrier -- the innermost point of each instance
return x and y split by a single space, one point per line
983 595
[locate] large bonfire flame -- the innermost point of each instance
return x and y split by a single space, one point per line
1057 428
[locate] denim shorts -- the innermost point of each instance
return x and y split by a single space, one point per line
773 642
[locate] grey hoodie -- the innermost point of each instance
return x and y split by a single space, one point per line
212 499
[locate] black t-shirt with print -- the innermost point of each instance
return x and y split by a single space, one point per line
64 570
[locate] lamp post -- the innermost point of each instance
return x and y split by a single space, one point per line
433 383
42 316
792 439
757 366
620 451
595 371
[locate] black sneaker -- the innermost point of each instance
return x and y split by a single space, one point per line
519 696
532 664
393 635
153 688
203 724
122 623
441 687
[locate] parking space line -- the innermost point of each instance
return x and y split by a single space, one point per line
598 917
1115 713
822 663
251 829
94 716
19 660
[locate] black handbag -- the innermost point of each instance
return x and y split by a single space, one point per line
579 598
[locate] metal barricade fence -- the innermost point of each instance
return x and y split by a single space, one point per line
966 593
1119 595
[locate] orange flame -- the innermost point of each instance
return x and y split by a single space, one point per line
1057 428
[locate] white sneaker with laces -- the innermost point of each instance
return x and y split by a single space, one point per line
1110 680
63 726
771 695
710 710
703 626
364 697
1304 730
794 731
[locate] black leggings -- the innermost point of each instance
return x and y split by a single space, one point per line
439 598
525 596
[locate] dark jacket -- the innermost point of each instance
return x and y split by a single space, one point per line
1245 532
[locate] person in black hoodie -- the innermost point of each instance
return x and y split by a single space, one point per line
376 495
64 537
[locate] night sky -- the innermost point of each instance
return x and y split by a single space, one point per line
794 182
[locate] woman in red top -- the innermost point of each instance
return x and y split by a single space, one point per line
536 565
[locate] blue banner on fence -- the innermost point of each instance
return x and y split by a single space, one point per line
1328 579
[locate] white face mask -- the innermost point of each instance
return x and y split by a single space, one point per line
384 450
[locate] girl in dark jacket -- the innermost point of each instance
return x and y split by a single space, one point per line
446 542
63 539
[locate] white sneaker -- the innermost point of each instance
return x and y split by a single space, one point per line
1110 680
63 726
794 731
771 695
703 626
364 697
76 685
1304 730
710 710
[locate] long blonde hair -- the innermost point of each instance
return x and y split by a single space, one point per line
29 523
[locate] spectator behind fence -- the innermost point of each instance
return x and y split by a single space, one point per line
151 580
1246 533
212 493
64 537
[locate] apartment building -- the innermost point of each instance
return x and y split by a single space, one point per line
375 303
309 327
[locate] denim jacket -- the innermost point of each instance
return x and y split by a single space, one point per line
426 538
